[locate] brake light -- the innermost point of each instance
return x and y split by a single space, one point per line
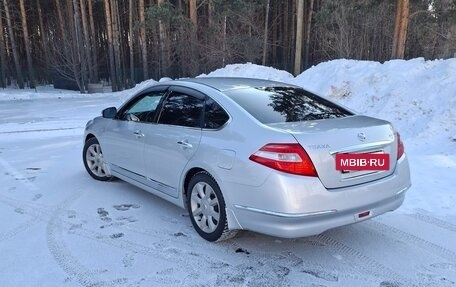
289 158
400 146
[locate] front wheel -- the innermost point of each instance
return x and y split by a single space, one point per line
206 207
94 161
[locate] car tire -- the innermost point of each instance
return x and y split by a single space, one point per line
92 156
206 207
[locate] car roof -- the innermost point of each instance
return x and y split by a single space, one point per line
231 83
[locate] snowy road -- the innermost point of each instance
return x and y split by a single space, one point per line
61 228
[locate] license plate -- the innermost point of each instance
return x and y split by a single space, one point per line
346 162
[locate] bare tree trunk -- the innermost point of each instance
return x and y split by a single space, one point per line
88 44
19 78
80 46
193 13
400 29
274 33
179 6
449 48
299 32
265 36
60 16
449 44
224 41
44 42
28 48
210 12
123 40
193 62
2 53
94 43
73 49
142 39
110 46
292 33
162 43
286 35
116 44
308 29
131 43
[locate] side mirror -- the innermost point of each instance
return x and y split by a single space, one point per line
109 113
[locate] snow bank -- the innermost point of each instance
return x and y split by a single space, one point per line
250 70
417 96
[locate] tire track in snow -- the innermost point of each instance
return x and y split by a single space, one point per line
65 260
18 229
339 270
74 269
413 239
185 258
370 265
433 220
18 175
41 130
258 269
69 264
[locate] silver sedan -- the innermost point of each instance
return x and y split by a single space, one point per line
250 154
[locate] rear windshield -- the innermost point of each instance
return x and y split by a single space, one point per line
285 104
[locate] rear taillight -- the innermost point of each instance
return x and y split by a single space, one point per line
289 158
400 146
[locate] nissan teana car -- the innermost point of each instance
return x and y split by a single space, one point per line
249 154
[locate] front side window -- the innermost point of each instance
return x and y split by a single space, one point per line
143 109
181 110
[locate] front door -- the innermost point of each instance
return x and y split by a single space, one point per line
124 140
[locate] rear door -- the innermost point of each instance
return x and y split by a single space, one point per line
173 141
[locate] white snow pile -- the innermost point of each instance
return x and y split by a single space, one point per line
418 96
250 70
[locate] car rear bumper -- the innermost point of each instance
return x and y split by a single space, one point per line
292 226
285 208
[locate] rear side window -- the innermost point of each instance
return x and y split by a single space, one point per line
285 104
181 110
215 116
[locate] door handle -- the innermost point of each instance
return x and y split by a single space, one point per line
185 144
138 134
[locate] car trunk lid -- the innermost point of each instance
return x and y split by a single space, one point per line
324 139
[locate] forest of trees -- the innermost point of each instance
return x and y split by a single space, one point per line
83 42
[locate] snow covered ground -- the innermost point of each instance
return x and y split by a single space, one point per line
59 227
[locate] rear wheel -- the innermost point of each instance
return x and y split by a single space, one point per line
206 207
94 161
